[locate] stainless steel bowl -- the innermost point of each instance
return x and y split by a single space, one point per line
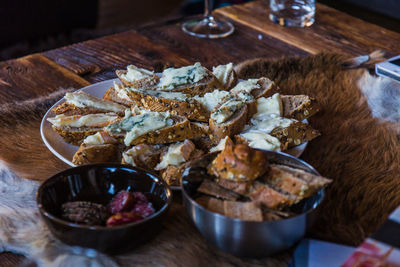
245 238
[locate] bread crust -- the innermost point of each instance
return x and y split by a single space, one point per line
75 136
96 154
299 107
112 95
233 126
148 82
70 109
296 134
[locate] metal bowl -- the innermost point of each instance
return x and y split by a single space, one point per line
246 238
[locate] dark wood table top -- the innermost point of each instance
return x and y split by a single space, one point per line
255 35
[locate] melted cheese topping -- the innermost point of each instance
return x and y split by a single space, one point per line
140 124
226 110
211 100
91 120
171 77
223 72
269 107
134 73
261 140
83 100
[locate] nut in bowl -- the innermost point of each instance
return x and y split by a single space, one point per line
109 207
254 211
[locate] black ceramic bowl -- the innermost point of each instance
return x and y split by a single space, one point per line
99 183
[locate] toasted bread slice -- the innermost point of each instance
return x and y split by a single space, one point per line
265 195
73 129
212 204
75 135
255 88
112 95
172 174
81 103
144 156
238 187
295 134
208 84
144 78
226 75
180 130
296 181
260 140
211 188
176 103
96 154
231 127
299 107
247 211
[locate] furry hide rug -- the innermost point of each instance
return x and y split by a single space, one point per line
22 231
359 149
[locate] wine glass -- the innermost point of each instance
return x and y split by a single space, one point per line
207 26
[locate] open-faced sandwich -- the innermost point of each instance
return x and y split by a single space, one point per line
163 122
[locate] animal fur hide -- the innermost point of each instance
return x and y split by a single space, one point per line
23 154
359 149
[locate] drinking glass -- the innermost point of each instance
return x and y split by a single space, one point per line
295 13
207 26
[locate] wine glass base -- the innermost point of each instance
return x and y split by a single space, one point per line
208 28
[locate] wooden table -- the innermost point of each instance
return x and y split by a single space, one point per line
92 61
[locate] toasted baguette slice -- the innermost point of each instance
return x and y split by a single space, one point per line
265 195
247 211
211 188
212 204
172 175
73 129
144 156
295 134
262 87
112 95
264 142
231 127
88 104
295 181
205 85
299 107
180 130
148 78
175 102
96 154
226 75
75 135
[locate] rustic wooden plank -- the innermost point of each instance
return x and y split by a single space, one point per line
333 30
243 44
97 59
32 76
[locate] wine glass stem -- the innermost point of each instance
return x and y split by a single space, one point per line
208 6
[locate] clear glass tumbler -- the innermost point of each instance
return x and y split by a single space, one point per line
292 13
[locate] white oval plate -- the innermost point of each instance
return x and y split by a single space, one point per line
65 151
